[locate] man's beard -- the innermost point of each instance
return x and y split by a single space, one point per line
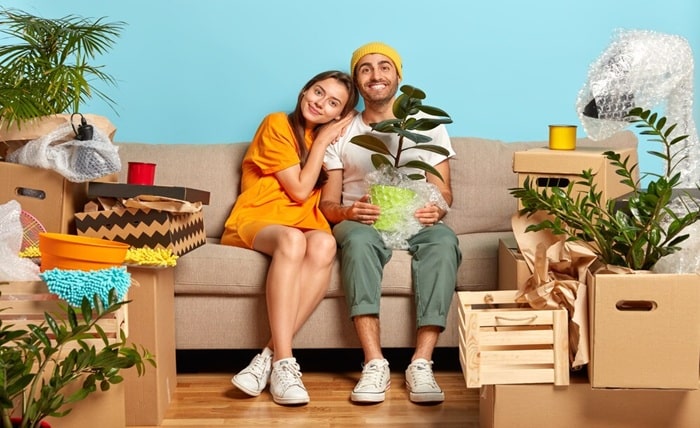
380 101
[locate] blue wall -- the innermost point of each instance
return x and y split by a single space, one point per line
207 71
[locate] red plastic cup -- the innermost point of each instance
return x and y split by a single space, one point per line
141 173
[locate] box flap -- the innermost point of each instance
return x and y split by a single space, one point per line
545 161
122 190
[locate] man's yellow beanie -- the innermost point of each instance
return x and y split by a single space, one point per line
376 48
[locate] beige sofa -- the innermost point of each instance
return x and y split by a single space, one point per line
219 290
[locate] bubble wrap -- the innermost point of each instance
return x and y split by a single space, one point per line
396 225
78 161
12 266
653 71
643 69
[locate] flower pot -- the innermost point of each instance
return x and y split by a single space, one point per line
17 421
395 204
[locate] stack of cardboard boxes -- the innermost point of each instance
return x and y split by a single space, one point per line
644 335
58 205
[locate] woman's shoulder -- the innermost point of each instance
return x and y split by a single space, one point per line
277 118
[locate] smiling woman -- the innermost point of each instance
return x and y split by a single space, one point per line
277 214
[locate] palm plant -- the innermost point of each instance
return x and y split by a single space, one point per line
36 365
405 107
635 231
46 68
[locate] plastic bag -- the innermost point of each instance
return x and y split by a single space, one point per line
78 161
12 266
399 197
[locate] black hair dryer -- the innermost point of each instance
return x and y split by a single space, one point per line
84 131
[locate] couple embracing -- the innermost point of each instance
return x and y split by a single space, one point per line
303 197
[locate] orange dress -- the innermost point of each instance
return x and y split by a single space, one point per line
263 201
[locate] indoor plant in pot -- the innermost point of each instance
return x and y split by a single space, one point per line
40 363
391 187
635 312
48 67
634 231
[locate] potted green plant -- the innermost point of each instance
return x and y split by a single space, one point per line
406 106
47 69
410 115
634 231
38 364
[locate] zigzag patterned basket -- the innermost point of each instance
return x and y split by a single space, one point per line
144 228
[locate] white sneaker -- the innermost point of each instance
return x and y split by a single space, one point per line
254 378
374 382
285 383
421 384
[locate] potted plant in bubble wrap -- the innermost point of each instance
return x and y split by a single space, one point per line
47 69
634 231
47 367
390 192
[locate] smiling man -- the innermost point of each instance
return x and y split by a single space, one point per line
377 71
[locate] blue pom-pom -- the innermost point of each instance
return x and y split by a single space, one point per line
73 285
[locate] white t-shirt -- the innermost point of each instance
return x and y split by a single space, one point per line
356 161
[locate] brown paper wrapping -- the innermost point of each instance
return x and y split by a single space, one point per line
558 280
163 203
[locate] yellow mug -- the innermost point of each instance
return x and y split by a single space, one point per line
562 137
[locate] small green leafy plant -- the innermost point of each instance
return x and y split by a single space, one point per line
405 107
47 70
634 231
36 366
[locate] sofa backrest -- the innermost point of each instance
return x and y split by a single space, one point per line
481 173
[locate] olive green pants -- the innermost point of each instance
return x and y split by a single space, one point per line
435 259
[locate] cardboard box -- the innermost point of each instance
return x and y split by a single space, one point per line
644 330
501 342
144 228
44 193
513 271
579 406
14 136
152 308
25 302
558 168
126 191
99 409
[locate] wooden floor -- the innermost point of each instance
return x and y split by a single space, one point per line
206 398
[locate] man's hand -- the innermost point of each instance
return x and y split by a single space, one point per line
428 215
362 211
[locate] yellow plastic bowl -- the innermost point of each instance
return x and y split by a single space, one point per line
72 252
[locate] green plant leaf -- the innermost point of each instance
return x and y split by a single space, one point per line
371 143
431 148
378 161
413 92
426 124
434 111
424 167
413 136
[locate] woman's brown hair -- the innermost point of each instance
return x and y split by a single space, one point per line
298 123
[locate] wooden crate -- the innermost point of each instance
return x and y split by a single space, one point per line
25 302
501 343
